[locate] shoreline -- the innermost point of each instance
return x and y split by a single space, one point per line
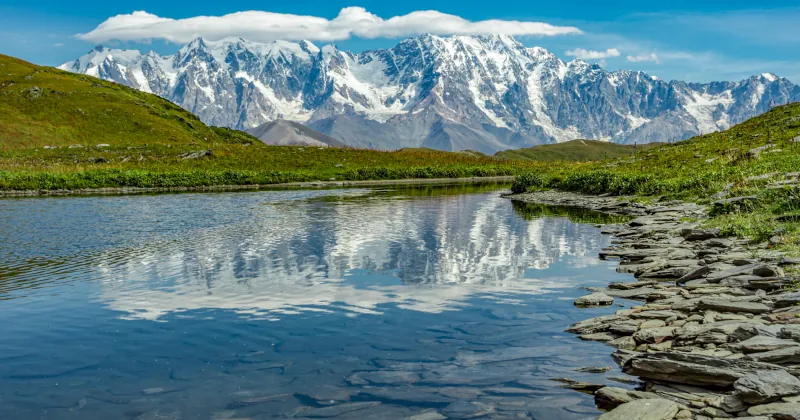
717 334
254 187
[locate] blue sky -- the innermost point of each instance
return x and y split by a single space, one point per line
687 40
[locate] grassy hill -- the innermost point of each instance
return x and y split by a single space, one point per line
60 130
573 151
757 159
41 106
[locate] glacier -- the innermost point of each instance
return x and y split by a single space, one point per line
484 93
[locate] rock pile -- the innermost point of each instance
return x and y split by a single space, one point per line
717 333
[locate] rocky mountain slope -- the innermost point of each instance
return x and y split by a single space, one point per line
486 93
289 133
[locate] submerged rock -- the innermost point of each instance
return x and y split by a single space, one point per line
648 409
427 415
462 409
327 394
594 369
337 410
383 377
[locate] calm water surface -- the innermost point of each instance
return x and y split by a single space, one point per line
338 304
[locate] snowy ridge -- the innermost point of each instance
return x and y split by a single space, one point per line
461 92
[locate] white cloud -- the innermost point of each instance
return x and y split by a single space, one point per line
584 54
58 45
266 26
641 58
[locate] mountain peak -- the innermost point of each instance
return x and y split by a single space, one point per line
484 92
771 77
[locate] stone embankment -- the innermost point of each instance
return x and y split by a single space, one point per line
717 332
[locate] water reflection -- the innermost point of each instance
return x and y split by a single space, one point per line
338 304
356 254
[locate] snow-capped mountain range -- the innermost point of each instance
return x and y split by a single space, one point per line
486 93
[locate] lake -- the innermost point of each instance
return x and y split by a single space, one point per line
434 302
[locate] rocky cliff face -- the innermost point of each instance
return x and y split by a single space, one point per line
463 92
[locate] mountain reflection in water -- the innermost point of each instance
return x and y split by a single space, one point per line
426 255
331 303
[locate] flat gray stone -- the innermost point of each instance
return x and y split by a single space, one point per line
693 369
639 293
790 261
653 323
766 387
723 305
790 332
783 411
654 335
695 274
689 334
768 283
745 332
623 343
648 409
699 234
654 314
716 277
602 337
787 299
610 397
784 356
594 299
631 285
624 327
718 243
593 325
761 343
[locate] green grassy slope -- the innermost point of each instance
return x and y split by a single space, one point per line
695 167
700 168
41 106
572 151
44 111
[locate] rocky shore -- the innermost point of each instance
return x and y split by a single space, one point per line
716 334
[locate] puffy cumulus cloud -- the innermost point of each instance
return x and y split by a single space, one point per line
266 26
584 54
642 58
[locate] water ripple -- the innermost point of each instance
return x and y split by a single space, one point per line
242 305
